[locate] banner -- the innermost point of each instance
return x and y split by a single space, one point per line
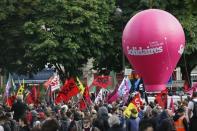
102 81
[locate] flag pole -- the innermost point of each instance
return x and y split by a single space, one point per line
86 104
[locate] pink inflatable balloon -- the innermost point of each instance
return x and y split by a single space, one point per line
153 41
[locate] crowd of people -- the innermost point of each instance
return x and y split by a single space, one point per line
98 117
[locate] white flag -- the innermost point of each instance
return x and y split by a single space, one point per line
99 96
124 87
8 86
55 83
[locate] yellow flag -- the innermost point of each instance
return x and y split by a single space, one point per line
21 89
127 111
80 86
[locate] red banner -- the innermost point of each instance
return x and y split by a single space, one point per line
102 81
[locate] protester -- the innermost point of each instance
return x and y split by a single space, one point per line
180 120
132 123
192 112
146 125
50 125
99 116
19 108
101 121
165 122
23 124
114 123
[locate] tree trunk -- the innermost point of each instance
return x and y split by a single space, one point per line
186 74
62 73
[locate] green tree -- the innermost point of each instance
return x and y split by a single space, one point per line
64 33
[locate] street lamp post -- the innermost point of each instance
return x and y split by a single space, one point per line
119 12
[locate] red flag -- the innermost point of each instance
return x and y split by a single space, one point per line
113 96
38 93
34 93
161 98
69 90
86 95
86 99
137 101
82 105
102 81
10 100
172 104
29 99
47 83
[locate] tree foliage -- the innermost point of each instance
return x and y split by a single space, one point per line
66 33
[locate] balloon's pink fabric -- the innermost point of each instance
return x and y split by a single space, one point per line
153 41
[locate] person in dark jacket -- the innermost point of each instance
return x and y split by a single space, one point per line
19 108
115 124
102 119
132 124
146 125
165 122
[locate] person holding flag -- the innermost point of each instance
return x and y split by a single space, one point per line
19 108
132 123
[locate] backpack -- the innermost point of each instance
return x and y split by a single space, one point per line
195 110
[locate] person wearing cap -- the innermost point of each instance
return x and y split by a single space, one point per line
180 121
132 124
192 112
